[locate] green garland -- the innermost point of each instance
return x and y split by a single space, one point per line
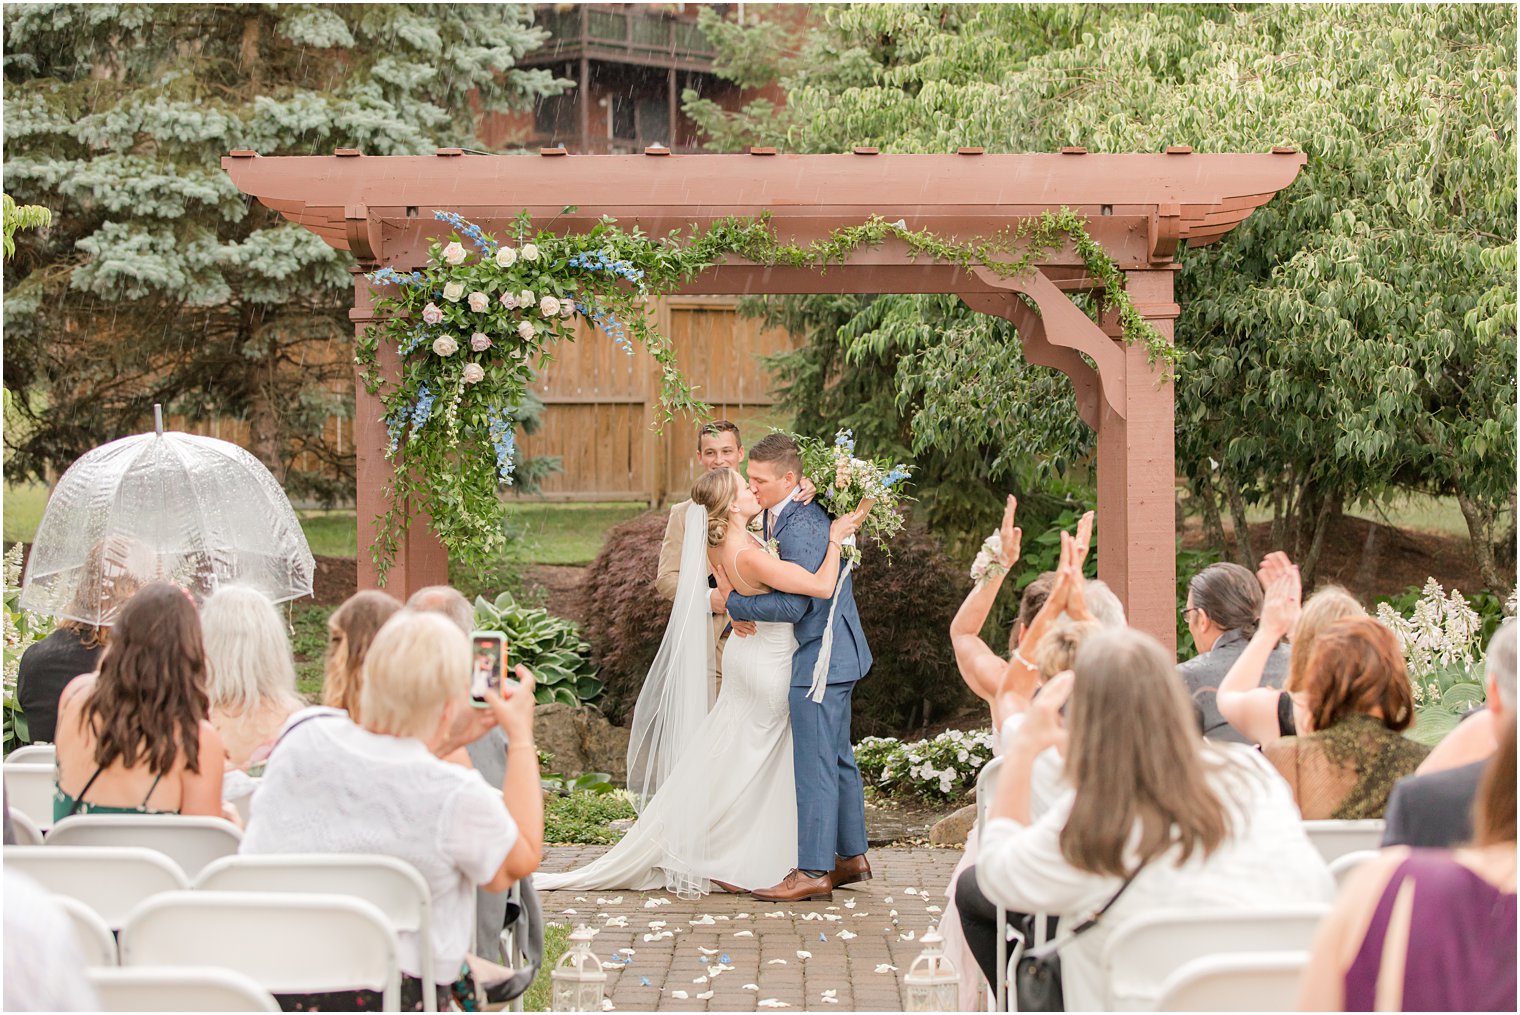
471 331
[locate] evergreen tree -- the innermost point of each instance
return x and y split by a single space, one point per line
159 281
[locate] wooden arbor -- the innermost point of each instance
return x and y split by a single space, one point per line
1139 207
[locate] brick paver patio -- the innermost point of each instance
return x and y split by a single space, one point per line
733 953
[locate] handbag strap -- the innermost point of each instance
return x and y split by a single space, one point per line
1088 924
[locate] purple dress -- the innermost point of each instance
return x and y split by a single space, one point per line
1461 954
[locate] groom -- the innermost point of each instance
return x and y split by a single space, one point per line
831 818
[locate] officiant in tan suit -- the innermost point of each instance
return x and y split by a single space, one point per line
718 447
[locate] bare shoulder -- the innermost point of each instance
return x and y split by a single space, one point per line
76 691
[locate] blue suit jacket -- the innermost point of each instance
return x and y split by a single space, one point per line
802 534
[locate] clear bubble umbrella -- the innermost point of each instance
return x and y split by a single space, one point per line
195 511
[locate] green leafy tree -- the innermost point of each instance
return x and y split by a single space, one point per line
22 216
159 281
1354 338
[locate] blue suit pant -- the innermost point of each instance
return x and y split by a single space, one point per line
831 814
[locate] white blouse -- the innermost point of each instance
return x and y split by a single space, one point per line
1268 860
334 787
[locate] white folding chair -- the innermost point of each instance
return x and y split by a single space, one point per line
25 830
169 988
96 945
191 842
33 754
1268 981
1334 839
29 790
1143 952
110 880
287 943
1342 866
392 885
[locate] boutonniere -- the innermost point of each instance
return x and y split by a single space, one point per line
773 548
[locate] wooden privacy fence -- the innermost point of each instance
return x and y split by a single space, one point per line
599 402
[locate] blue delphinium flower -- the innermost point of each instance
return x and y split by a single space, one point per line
390 276
608 323
600 260
469 231
845 439
422 409
394 426
503 435
897 475
418 336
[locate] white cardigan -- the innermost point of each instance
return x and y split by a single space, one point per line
1267 861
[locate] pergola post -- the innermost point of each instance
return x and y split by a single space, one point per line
420 558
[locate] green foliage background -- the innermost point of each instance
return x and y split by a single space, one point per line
1355 337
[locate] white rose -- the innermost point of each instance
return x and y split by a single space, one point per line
529 252
506 257
473 373
453 291
525 330
509 300
445 345
479 301
525 298
548 306
454 253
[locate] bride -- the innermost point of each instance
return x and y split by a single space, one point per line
714 789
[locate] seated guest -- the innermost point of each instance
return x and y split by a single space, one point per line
1156 819
251 677
1350 748
107 580
1435 809
1262 714
43 960
333 786
1428 930
134 738
1223 604
350 630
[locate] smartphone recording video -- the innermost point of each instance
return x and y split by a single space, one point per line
488 649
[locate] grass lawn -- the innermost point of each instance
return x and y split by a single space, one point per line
556 943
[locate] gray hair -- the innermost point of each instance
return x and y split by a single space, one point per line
1103 604
447 600
248 660
1501 663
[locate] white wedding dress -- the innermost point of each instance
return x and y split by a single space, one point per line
724 806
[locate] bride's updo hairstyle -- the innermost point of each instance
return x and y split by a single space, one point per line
716 491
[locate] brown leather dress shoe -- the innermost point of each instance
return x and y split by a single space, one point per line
730 889
850 869
798 887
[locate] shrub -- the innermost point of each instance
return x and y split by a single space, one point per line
625 616
550 646
905 607
583 818
939 769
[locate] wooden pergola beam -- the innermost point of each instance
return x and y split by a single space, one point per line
1139 207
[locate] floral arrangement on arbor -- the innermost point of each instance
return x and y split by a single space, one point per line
473 325
845 482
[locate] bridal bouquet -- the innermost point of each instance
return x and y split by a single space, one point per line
845 482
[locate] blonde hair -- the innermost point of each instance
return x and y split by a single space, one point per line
716 491
248 660
417 664
1134 759
1324 608
1057 650
350 629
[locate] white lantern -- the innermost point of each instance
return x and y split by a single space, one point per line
578 979
932 982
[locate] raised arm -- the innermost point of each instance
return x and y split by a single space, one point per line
1244 703
788 576
982 668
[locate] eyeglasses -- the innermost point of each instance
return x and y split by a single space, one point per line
1190 609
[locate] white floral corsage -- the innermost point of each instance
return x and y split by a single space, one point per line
988 564
773 548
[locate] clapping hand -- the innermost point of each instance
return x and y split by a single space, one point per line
1010 536
1284 593
1043 726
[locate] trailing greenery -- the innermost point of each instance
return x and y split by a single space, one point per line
1369 309
550 646
471 329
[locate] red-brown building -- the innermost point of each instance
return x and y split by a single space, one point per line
631 63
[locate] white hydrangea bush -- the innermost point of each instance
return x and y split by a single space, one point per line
941 768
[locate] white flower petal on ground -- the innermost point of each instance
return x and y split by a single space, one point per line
679 994
771 1002
607 1004
708 951
744 933
656 924
887 900
933 909
804 955
702 921
909 936
850 904
909 891
750 986
700 979
776 962
706 995
568 912
885 968
847 935
616 921
741 916
612 965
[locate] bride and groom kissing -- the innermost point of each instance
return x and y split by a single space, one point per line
757 790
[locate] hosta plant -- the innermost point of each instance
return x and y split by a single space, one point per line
550 646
